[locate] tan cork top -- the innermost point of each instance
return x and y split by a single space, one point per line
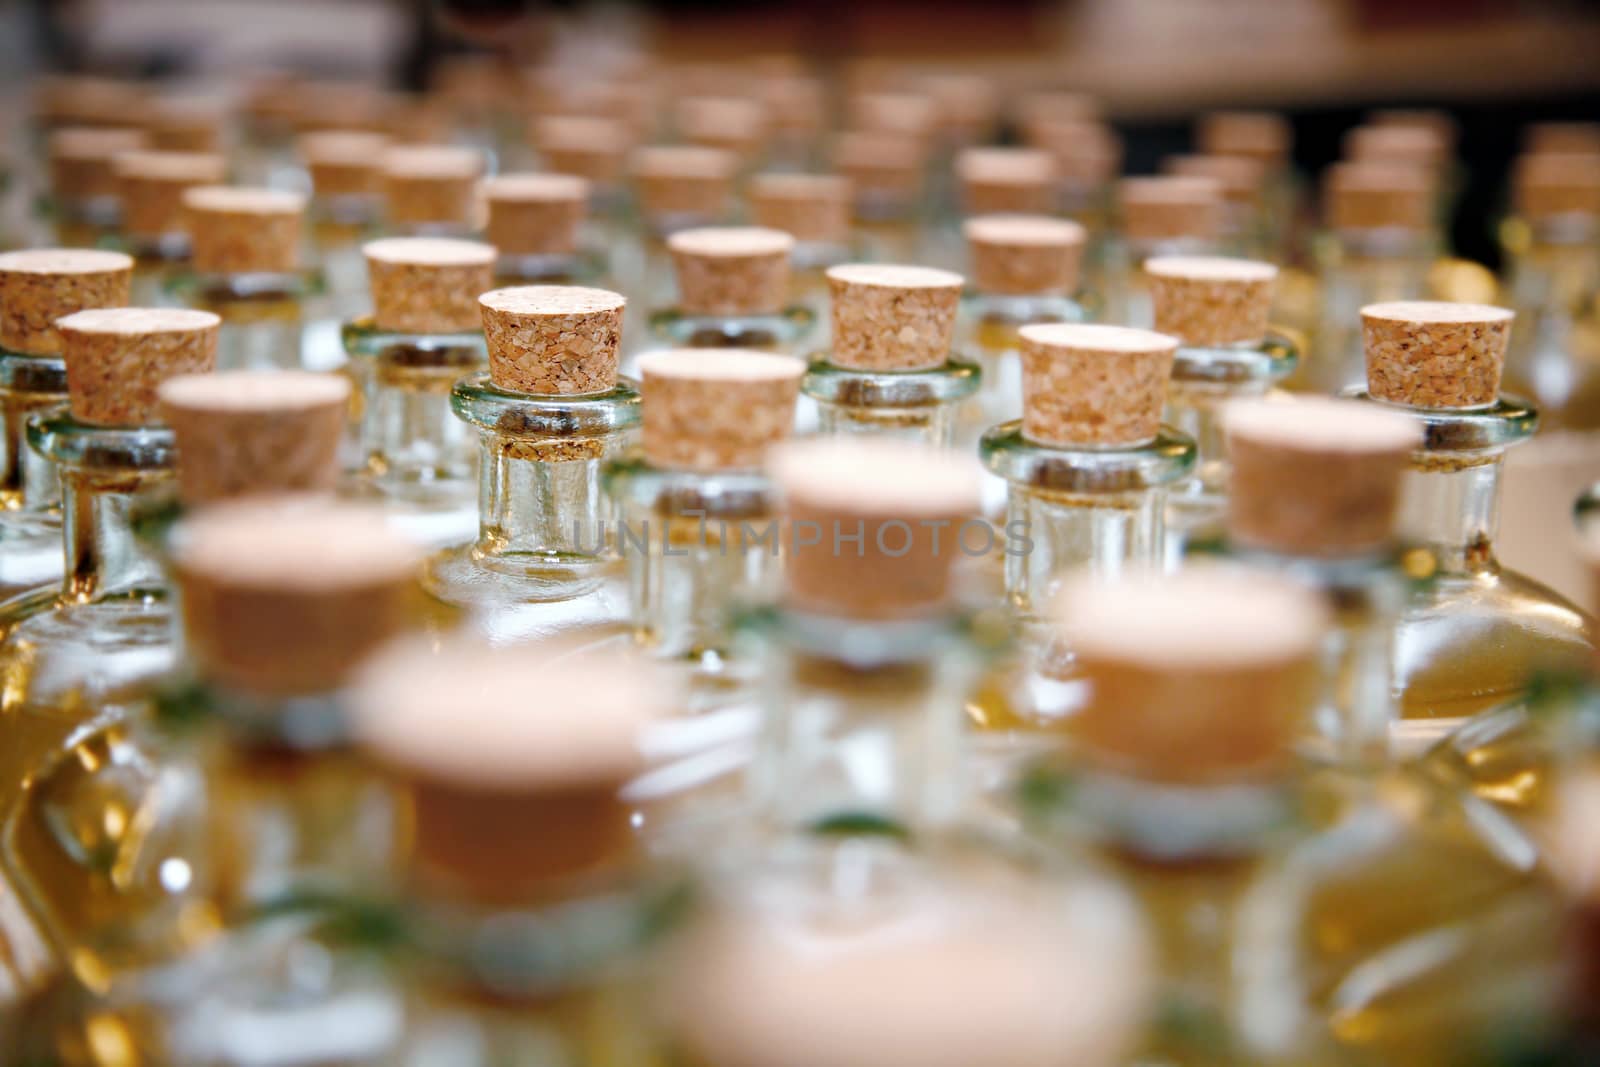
713 409
1548 185
255 432
285 595
796 104
477 763
431 184
189 123
880 164
1208 674
344 162
428 284
535 214
67 99
40 285
553 339
80 160
236 230
595 149
151 186
737 124
905 114
1315 476
1260 135
907 500
1211 300
684 180
1170 206
1562 137
813 208
1378 195
1411 145
734 270
118 357
1085 153
1024 255
1241 177
889 317
1007 181
1435 122
968 104
1432 354
1090 385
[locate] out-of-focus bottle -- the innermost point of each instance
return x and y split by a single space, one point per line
431 190
1243 181
536 224
189 122
888 180
814 209
678 187
150 188
797 113
1170 215
346 209
732 291
1088 158
82 207
596 150
735 124
1268 139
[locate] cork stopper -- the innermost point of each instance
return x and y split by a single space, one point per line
428 284
1087 154
287 596
80 161
187 124
1170 207
715 409
82 100
1372 196
1259 135
535 214
40 285
480 765
900 497
902 114
1562 138
595 149
118 357
796 105
250 432
684 181
1024 255
151 187
1316 477
1432 354
550 340
235 230
1206 675
812 208
731 270
1551 185
1211 300
344 162
1007 181
431 185
735 124
1436 123
1056 105
1241 177
1412 146
968 105
891 317
880 166
1085 385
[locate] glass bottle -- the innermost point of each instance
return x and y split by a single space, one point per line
1170 215
797 115
1024 270
536 223
676 187
887 176
246 266
733 291
82 207
814 209
431 190
150 188
550 412
1268 139
889 370
1088 158
346 209
735 124
37 287
596 150
697 523
425 334
1217 308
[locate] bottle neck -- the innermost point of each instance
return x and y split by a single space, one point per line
27 384
1450 504
104 558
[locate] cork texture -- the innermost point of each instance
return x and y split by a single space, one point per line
892 318
812 208
741 270
1088 385
431 184
344 162
1370 196
1172 206
236 230
1211 300
880 165
1024 255
255 432
1020 181
80 161
595 149
1551 185
716 409
685 180
1316 477
1435 355
151 187
39 286
895 495
86 100
1258 135
535 214
117 359
551 340
428 284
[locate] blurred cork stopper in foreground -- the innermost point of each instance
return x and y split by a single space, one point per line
1207 675
1432 354
428 284
734 270
684 182
716 409
284 596
117 358
1090 385
891 317
40 285
1377 196
247 432
1316 477
344 163
1211 300
906 501
80 161
237 230
1024 255
812 208
551 340
431 186
151 185
535 214
1020 181
1170 207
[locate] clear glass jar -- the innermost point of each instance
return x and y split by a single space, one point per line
987 334
545 525
30 492
782 331
919 405
1357 268
1554 285
263 315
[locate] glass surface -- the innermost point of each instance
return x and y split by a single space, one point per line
920 405
262 314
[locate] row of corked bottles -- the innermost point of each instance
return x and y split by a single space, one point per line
919 738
